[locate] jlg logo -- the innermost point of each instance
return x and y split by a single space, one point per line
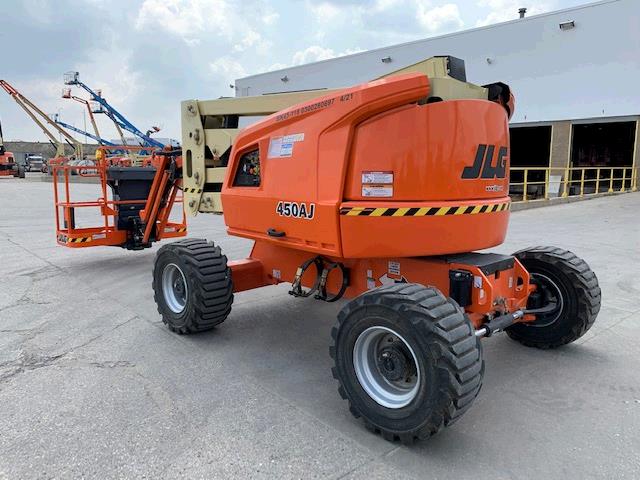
483 164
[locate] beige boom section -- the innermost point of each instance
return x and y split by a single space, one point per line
209 127
446 78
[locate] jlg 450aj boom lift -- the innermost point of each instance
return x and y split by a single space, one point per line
380 194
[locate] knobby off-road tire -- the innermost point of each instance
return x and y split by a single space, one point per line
558 273
192 285
427 327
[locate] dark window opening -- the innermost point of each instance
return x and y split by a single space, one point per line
530 147
248 172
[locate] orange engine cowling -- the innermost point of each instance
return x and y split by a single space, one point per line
373 171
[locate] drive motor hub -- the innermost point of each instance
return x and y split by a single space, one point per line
394 362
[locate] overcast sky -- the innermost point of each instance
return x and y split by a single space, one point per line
148 55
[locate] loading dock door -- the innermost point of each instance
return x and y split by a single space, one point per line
603 145
530 147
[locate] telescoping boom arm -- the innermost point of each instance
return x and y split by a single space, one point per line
73 78
34 112
100 140
66 93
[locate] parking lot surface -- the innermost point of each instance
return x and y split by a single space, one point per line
93 385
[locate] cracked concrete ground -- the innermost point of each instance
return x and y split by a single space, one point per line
92 385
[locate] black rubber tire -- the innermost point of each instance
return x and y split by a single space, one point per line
580 292
448 353
209 285
21 173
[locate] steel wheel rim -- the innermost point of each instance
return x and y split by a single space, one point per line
550 287
366 351
174 288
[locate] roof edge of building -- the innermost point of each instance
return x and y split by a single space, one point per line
437 37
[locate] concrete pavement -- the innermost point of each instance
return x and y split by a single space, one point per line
93 385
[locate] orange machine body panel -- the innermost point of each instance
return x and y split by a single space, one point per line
7 163
426 148
383 174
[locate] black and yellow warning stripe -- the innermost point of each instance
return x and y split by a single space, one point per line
175 229
192 190
64 239
424 211
79 240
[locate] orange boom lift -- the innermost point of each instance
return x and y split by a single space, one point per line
139 187
380 194
135 203
8 165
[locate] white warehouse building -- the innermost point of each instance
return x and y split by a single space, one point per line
575 74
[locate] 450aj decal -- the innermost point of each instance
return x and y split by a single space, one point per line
296 210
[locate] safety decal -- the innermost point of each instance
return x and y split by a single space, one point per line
192 190
377 177
282 147
394 268
377 190
181 229
424 211
377 184
371 282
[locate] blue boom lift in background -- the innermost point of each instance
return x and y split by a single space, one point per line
73 78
